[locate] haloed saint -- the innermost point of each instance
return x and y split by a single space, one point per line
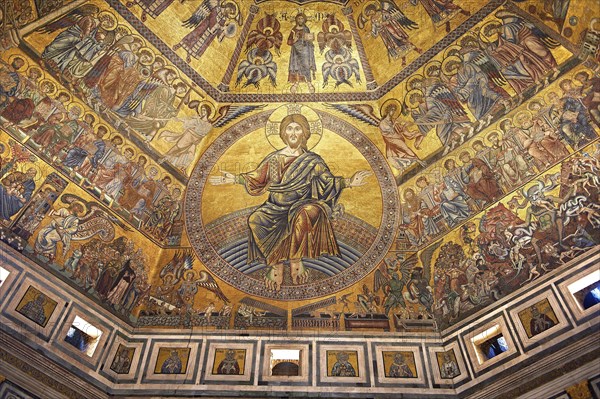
295 222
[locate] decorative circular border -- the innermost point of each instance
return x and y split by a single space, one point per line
213 261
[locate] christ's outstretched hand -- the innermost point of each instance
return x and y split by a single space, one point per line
225 178
358 179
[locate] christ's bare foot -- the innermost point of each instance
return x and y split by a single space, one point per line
298 271
274 277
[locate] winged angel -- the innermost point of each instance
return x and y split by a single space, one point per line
389 23
79 221
393 276
393 131
259 62
180 282
212 19
196 127
339 63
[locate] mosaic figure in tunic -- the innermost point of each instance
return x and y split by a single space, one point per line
302 56
449 368
172 365
342 367
229 365
34 309
399 368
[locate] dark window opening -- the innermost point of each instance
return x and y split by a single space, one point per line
494 346
286 369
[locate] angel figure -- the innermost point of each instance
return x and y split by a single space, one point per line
212 19
172 274
80 24
393 130
339 63
392 277
389 23
195 128
476 81
259 62
266 35
194 280
434 106
73 223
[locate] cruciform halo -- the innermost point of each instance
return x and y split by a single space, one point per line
274 123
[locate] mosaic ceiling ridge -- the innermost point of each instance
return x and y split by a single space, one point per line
297 165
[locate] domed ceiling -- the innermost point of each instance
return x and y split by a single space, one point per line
291 164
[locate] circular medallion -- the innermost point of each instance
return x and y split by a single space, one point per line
291 204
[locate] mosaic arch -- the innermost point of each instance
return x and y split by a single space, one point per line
219 233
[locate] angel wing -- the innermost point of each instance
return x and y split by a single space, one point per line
392 9
19 153
95 226
93 210
202 12
442 93
267 34
142 91
228 113
172 266
489 68
70 19
207 281
544 37
407 266
321 40
381 278
362 112
426 256
179 264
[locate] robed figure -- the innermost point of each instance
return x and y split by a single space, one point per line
302 55
295 221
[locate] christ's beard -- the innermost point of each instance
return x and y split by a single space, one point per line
295 145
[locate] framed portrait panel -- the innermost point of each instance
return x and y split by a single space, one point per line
229 361
37 308
447 364
538 318
344 364
173 361
399 365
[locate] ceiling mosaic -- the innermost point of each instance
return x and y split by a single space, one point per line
299 164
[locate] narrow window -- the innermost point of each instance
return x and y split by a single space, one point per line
285 362
586 291
83 336
489 344
3 275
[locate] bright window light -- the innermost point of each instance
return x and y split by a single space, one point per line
83 336
584 282
3 275
285 354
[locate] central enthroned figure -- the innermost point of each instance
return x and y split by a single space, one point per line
295 221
